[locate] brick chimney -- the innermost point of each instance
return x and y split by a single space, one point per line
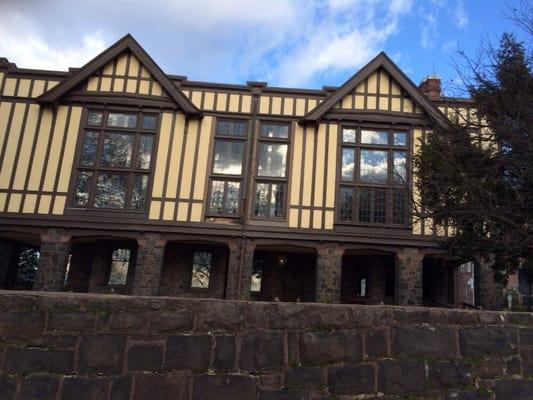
430 86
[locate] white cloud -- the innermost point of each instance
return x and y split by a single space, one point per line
24 46
288 42
342 40
429 32
460 15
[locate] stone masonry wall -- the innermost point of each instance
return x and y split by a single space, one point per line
87 346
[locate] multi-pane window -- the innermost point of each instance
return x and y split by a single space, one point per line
115 160
201 270
271 174
120 263
373 176
227 170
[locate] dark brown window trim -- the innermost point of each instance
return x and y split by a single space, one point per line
272 179
388 187
96 169
213 176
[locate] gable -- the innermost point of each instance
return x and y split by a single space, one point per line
125 74
379 91
113 72
380 86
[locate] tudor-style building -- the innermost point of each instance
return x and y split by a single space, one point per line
133 181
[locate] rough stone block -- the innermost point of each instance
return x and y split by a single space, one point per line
305 377
513 366
270 381
526 337
19 360
516 389
411 315
454 317
101 354
377 343
120 388
423 341
283 395
461 396
69 321
145 357
444 375
224 353
258 315
526 354
84 388
21 326
8 387
60 341
209 317
180 320
487 341
371 317
188 352
354 380
487 368
319 348
261 351
122 321
174 386
311 316
224 387
492 318
39 387
293 343
520 318
401 377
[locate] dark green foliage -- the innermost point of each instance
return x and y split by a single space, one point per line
27 268
480 181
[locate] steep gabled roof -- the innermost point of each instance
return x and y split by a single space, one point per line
126 43
380 61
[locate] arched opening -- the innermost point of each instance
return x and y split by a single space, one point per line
284 273
194 269
101 265
19 261
439 282
368 277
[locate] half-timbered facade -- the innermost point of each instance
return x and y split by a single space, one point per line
132 181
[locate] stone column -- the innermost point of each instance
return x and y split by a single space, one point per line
488 292
53 260
409 277
7 249
328 273
148 266
234 258
240 262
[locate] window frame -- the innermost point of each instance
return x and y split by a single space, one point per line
96 169
258 179
389 186
191 275
131 266
213 176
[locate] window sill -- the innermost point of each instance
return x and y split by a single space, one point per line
268 222
351 226
105 212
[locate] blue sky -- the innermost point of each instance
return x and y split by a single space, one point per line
295 43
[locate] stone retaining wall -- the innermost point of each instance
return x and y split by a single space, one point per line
74 346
